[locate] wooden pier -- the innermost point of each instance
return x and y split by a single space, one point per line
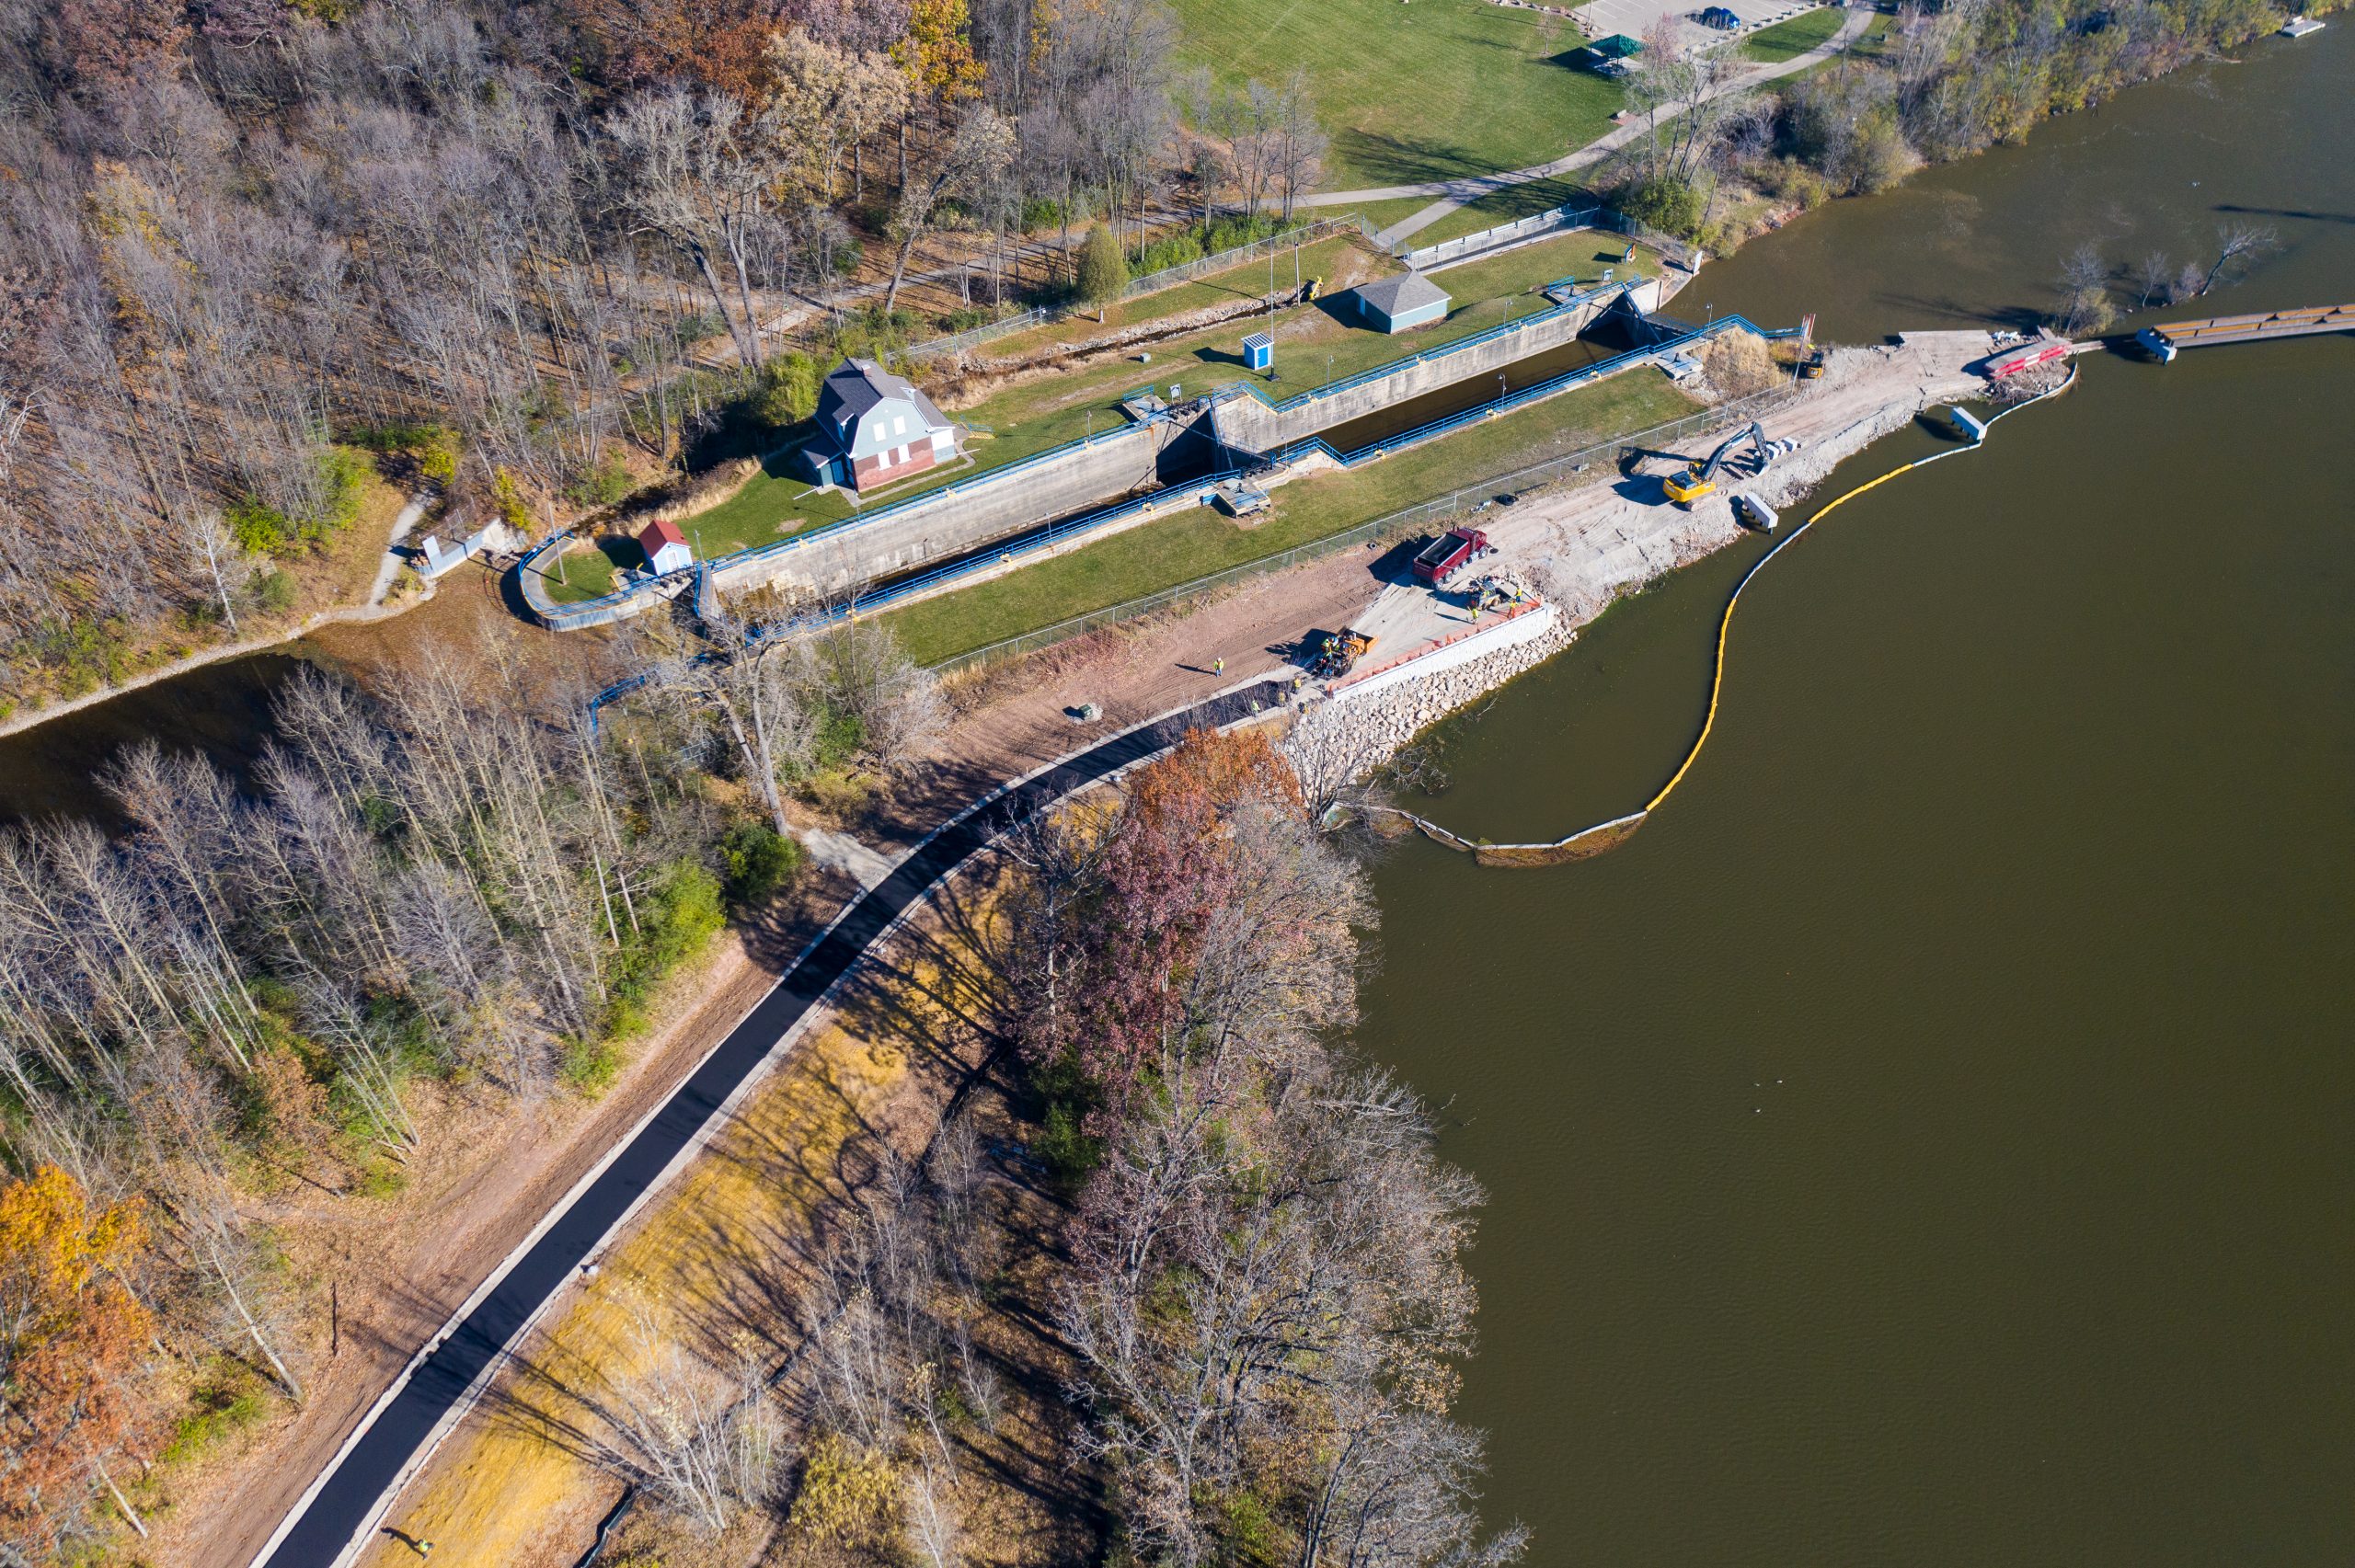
2168 340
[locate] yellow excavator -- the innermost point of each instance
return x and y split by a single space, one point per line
1700 479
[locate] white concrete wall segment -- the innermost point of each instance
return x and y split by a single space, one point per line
1251 423
1463 650
958 517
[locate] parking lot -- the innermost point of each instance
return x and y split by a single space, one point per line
1601 18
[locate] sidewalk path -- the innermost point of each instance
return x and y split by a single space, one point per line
1454 193
341 1511
390 567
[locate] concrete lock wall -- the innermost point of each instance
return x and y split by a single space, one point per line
967 516
957 517
1247 422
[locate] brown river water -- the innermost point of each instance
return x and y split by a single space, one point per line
1931 1139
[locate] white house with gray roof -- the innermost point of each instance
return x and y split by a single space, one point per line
874 428
1396 304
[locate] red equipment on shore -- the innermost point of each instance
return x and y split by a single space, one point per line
1445 555
2027 356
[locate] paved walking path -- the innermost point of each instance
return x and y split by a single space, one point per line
343 1507
1454 193
390 567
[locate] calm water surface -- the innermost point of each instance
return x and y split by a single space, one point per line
1928 1140
221 710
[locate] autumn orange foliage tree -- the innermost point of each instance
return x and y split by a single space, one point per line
1201 880
1262 1287
73 1343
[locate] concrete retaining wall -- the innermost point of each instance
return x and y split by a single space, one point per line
1253 424
958 517
970 515
1445 656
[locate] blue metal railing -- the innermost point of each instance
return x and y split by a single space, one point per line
1457 346
596 610
562 616
1294 451
1201 492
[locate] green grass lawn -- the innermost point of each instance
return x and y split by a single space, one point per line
1382 214
1325 259
1314 343
1425 90
1503 207
1180 549
1787 40
1583 255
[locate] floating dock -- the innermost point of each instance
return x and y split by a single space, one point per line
2166 341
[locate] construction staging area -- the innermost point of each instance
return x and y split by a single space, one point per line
1579 545
1583 547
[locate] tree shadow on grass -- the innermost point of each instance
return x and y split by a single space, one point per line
1392 160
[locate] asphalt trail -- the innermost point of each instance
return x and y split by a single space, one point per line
350 1502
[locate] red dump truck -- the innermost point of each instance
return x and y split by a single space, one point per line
1447 555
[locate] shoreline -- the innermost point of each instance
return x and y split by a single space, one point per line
334 615
1591 547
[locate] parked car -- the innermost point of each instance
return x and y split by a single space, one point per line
1719 17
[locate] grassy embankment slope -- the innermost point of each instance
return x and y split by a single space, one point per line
1314 343
1023 421
78 656
712 1267
1789 41
1413 92
1193 544
724 1265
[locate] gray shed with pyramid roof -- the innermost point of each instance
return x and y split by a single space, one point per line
1396 304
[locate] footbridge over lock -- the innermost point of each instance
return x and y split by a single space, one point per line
2172 338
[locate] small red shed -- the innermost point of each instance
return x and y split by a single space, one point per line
665 550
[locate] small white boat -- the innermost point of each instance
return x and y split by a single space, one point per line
2299 26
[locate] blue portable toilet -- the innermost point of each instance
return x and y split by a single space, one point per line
1258 351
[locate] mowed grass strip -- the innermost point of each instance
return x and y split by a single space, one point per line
1503 207
1583 255
1789 41
1422 91
1340 258
1314 343
1382 214
1180 549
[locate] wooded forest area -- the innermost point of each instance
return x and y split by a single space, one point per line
481 237
243 991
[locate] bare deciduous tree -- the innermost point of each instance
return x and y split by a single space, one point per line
2238 244
975 153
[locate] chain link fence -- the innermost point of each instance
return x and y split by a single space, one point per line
1187 272
1571 215
973 338
1388 529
